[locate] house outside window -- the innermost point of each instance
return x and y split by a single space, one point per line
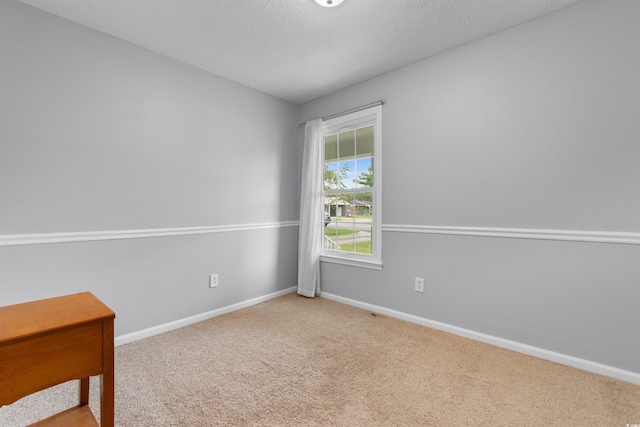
352 189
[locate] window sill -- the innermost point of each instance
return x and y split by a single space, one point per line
353 262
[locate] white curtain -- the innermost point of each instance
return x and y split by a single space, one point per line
311 208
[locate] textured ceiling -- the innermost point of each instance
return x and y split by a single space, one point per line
295 49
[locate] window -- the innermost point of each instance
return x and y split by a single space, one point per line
352 190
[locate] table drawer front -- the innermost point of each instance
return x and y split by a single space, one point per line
49 359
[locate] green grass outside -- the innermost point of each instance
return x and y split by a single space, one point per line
331 232
361 247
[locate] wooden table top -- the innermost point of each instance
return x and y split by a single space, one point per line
39 317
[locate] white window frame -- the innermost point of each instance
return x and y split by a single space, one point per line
359 119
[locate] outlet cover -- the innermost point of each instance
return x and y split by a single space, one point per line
213 280
419 286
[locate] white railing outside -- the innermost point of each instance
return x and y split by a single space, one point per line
330 244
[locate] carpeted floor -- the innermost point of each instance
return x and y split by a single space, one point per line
294 361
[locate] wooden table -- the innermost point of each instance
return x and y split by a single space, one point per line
48 342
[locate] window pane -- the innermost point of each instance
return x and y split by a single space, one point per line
364 154
331 148
347 144
364 172
364 141
331 176
363 222
348 174
333 206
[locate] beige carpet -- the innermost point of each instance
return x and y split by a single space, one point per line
295 361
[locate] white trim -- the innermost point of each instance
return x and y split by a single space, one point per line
92 236
343 258
629 238
575 362
619 237
176 324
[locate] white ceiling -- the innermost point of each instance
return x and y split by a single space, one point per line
295 49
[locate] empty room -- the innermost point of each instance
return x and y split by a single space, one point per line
322 212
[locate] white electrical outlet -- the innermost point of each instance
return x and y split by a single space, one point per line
213 280
419 284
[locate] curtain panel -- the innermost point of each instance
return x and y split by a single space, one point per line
311 208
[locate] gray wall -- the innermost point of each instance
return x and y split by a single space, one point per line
100 135
532 128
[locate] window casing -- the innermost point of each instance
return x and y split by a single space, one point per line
352 189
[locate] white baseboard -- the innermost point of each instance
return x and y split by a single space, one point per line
585 365
176 324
